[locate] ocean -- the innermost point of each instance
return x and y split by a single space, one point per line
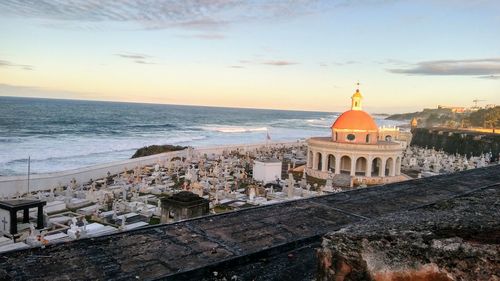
67 134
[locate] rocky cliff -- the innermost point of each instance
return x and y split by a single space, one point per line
456 141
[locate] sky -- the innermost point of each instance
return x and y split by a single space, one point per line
280 54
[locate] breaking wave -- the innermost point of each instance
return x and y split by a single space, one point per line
234 129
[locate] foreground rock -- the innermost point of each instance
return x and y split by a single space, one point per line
156 149
452 240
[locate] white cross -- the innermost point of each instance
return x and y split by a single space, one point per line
4 221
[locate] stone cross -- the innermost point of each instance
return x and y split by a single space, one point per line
4 221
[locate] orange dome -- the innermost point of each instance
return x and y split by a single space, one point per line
355 120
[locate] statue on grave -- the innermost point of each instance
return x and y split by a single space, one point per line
251 193
426 165
437 167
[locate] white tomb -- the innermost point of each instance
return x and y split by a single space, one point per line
57 237
135 225
267 170
5 241
55 206
13 247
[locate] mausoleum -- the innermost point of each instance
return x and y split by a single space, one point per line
182 206
8 214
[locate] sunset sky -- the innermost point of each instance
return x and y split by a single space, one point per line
300 54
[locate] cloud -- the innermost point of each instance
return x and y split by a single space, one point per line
471 67
137 58
143 62
196 24
33 91
205 36
154 14
236 66
492 77
279 63
133 56
269 62
345 62
5 63
209 36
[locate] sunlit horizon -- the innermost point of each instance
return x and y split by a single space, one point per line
308 55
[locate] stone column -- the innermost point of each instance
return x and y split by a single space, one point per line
26 215
315 160
368 172
324 162
308 159
400 163
13 222
39 218
353 166
392 172
381 172
337 164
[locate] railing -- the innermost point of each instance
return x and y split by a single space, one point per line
326 142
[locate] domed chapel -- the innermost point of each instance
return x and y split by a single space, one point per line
355 148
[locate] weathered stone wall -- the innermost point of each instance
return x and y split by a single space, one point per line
455 141
458 239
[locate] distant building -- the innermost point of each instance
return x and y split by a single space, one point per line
414 123
357 147
182 206
454 109
267 170
394 133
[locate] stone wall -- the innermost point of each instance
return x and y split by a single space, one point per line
457 239
456 141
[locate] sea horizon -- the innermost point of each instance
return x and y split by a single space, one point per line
173 104
194 105
63 134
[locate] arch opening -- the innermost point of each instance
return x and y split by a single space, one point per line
376 167
388 167
360 168
331 163
320 161
345 165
